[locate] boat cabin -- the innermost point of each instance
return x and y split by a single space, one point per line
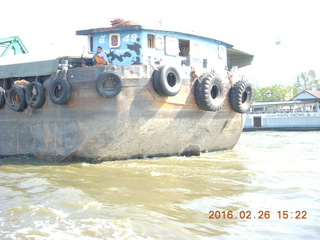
127 45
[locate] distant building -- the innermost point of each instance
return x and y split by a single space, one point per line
300 113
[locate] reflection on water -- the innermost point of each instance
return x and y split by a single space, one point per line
170 198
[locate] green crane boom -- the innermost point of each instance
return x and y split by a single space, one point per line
12 43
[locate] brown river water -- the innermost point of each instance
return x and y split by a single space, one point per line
267 187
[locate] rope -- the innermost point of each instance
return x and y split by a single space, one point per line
194 73
151 65
65 75
6 98
21 83
57 73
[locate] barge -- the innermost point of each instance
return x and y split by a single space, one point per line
158 93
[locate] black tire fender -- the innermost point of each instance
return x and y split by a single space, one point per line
60 91
17 98
167 81
240 97
2 99
35 95
209 92
108 84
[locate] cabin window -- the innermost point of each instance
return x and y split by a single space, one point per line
184 47
222 52
172 46
150 41
159 43
114 40
90 44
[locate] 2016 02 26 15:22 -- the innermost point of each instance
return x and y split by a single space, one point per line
262 214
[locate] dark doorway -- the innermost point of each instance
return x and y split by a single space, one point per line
257 122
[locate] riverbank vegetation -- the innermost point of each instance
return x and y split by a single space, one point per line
304 81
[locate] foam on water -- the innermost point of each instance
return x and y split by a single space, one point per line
168 198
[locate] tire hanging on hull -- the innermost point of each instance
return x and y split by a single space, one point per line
17 99
108 84
35 95
241 96
209 92
60 91
167 81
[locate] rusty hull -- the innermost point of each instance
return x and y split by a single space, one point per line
138 123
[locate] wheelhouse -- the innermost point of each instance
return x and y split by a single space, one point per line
129 45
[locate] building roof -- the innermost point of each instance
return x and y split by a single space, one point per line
270 104
307 95
314 93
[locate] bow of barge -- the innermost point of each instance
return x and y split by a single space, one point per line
160 93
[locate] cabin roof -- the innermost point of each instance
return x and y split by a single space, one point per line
140 27
238 58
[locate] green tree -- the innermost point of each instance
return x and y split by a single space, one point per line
296 89
306 81
272 93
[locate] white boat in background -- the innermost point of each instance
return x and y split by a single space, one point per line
302 113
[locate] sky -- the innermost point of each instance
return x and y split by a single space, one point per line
48 26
